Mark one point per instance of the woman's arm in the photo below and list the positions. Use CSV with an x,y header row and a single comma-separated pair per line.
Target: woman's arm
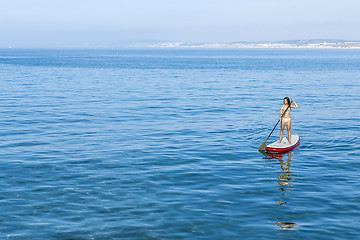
x,y
294,106
280,112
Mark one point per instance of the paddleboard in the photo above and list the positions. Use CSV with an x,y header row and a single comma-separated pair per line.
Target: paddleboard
x,y
284,146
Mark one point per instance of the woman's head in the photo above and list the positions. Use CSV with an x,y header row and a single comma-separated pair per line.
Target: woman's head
x,y
287,101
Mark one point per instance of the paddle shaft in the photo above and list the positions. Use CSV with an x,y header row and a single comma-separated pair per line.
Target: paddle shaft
x,y
278,121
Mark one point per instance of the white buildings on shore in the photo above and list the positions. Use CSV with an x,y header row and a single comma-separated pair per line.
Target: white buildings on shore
x,y
292,44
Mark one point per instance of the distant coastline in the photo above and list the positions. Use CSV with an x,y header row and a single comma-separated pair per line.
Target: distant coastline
x,y
316,43
153,44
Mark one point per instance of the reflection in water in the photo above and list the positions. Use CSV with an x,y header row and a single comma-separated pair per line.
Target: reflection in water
x,y
285,225
284,177
284,183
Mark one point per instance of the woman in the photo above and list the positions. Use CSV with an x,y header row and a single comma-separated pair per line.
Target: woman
x,y
285,108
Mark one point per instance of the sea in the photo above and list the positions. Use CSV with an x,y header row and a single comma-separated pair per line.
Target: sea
x,y
163,144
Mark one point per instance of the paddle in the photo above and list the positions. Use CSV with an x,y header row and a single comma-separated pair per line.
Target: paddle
x,y
263,146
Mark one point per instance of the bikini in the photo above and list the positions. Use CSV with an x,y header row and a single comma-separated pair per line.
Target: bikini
x,y
287,110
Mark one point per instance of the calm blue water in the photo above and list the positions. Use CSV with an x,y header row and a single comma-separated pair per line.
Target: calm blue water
x,y
162,144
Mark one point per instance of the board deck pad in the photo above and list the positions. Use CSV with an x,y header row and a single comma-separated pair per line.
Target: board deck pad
x,y
284,145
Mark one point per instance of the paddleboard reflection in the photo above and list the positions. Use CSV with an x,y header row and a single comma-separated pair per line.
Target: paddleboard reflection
x,y
284,183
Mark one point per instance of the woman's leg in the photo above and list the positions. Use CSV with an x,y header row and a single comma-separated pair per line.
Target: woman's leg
x,y
288,126
282,129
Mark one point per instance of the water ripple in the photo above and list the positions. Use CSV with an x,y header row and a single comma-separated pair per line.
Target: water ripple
x,y
163,145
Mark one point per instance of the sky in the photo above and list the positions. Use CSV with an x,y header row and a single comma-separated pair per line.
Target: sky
x,y
111,23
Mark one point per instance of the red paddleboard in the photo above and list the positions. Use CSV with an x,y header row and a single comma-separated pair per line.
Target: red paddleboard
x,y
284,146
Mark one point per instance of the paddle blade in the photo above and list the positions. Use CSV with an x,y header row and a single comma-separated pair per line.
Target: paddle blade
x,y
263,146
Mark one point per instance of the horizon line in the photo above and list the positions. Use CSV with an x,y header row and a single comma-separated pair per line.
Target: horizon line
x,y
146,44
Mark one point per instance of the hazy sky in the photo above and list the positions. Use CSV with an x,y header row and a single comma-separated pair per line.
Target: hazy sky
x,y
106,23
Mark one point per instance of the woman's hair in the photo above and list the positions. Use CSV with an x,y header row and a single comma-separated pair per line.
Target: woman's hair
x,y
288,100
